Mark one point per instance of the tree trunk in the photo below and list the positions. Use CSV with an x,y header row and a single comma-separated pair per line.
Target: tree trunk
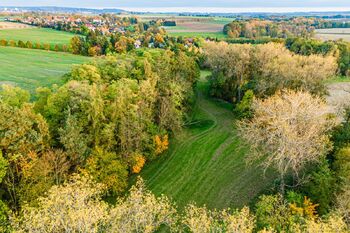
x,y
282,185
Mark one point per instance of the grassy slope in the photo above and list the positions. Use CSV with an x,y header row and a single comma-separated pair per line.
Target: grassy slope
x,y
42,35
206,163
30,68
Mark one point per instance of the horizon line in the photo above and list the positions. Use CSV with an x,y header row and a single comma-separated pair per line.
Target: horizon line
x,y
233,10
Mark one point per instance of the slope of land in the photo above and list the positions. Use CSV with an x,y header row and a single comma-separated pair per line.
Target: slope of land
x,y
31,68
206,164
36,35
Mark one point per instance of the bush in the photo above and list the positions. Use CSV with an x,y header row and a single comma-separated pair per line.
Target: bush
x,y
21,44
57,48
47,47
37,45
321,187
273,212
4,218
3,42
29,45
12,43
244,108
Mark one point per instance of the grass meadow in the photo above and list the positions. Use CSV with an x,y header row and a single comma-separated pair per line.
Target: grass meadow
x,y
37,35
31,68
206,164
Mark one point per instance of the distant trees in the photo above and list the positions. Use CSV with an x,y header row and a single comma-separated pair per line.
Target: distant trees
x,y
340,49
289,130
256,28
279,28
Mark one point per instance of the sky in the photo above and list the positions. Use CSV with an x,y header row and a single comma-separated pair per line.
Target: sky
x,y
183,4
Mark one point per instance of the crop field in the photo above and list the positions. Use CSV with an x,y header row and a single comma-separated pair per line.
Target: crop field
x,y
207,164
40,35
333,34
30,68
204,27
193,26
9,25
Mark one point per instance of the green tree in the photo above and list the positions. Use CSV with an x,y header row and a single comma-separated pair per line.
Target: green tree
x,y
107,168
13,96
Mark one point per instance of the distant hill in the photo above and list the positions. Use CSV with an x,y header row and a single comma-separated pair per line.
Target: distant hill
x,y
55,9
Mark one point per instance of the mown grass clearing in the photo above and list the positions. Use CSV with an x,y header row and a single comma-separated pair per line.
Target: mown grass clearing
x,y
37,35
206,163
30,68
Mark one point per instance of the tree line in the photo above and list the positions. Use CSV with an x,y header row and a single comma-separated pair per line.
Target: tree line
x,y
279,28
35,45
77,206
311,46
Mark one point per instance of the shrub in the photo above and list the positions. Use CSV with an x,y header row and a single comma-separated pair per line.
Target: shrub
x,y
47,46
244,108
37,45
3,42
21,44
12,43
29,45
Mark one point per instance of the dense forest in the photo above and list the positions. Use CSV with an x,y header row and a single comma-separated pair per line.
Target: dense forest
x,y
69,154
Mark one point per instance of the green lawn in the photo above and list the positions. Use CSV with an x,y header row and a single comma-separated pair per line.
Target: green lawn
x,y
42,35
30,68
206,164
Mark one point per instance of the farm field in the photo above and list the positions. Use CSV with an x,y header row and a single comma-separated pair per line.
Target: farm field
x,y
41,35
198,26
333,34
218,35
10,25
206,164
30,68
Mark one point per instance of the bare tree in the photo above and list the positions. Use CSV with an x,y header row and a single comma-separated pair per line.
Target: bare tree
x,y
288,130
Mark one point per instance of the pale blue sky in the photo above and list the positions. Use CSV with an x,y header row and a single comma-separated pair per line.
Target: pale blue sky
x,y
179,3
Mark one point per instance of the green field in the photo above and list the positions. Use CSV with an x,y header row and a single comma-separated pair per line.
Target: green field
x,y
30,68
197,26
41,35
218,35
206,163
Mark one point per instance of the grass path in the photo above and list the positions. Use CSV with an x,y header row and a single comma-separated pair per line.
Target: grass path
x,y
206,163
